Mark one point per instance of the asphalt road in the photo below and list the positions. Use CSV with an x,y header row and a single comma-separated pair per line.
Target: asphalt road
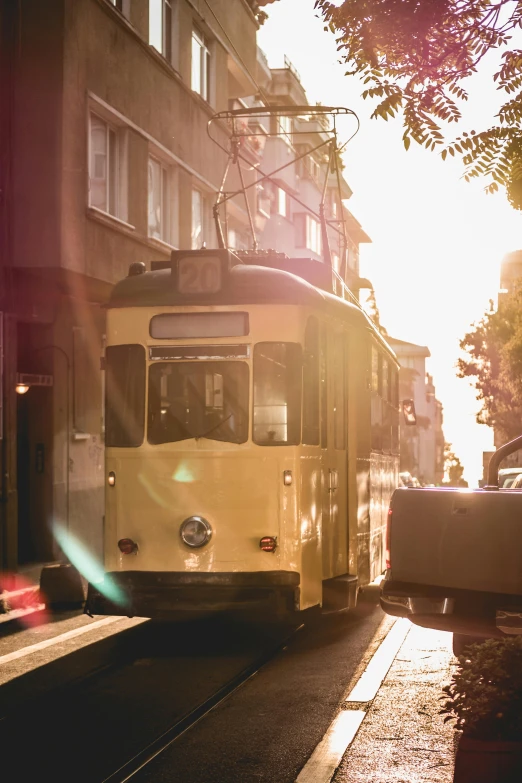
x,y
264,732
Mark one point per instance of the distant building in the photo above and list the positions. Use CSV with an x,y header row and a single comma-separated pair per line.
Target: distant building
x,y
422,446
290,201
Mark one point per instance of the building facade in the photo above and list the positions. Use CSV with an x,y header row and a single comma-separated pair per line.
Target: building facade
x,y
104,129
422,446
106,161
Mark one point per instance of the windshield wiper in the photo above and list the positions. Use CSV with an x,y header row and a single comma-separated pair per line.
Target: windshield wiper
x,y
207,433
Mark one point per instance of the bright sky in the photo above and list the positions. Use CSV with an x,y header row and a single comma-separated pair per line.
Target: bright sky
x,y
437,241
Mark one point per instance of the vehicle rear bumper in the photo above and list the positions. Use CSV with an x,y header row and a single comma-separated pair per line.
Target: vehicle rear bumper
x,y
472,613
159,594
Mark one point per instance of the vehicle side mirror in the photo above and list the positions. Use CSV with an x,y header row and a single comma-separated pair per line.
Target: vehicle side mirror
x,y
408,411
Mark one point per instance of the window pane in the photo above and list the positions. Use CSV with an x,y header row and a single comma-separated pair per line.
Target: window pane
x,y
311,384
384,388
167,31
155,215
324,388
281,202
165,205
339,392
125,395
197,220
198,400
375,369
196,80
205,69
98,164
113,172
277,394
156,24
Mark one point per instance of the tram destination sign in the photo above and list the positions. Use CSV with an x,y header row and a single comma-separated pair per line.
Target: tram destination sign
x,y
200,272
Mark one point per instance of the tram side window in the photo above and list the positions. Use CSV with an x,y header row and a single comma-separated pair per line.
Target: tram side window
x,y
394,383
277,394
125,395
376,401
324,388
339,391
311,384
386,407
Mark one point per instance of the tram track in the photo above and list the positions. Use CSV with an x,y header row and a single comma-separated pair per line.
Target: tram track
x,y
166,680
138,762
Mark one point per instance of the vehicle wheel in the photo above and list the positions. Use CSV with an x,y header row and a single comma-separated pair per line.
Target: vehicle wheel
x,y
461,641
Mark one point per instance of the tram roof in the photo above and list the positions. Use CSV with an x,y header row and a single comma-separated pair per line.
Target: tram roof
x,y
250,280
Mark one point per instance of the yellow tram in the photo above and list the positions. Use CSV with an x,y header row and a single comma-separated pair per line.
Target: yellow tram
x,y
252,438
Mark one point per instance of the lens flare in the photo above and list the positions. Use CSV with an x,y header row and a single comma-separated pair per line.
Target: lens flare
x,y
88,566
183,474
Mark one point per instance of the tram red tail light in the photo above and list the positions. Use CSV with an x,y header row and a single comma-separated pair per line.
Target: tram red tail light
x,y
127,546
388,539
268,544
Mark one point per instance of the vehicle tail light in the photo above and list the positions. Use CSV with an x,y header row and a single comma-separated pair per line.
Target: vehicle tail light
x,y
127,546
388,538
268,544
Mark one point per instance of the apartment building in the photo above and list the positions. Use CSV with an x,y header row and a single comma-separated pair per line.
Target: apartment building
x,y
105,161
294,194
422,446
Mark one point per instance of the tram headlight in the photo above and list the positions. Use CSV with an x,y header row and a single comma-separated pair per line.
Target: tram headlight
x,y
195,531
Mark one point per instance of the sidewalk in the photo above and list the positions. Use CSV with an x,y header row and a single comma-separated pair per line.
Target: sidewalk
x,y
403,739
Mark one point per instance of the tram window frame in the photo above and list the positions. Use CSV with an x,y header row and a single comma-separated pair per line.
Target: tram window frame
x,y
323,377
376,402
117,401
292,387
310,374
339,390
375,368
180,407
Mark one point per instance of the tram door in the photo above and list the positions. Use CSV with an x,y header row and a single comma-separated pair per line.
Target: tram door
x,y
333,451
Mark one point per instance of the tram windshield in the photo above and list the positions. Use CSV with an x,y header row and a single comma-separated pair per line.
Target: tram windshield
x,y
198,400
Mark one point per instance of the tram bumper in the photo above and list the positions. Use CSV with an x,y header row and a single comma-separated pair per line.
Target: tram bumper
x,y
162,595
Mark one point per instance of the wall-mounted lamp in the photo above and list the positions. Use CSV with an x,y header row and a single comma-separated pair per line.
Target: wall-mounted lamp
x,y
22,388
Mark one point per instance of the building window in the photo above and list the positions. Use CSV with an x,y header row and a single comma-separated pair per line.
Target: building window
x,y
308,233
104,167
200,81
159,201
160,27
284,128
282,202
199,219
123,6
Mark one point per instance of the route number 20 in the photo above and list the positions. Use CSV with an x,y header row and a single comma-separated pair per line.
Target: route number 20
x,y
199,275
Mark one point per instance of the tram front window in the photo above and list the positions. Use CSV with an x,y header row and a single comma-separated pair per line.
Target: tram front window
x,y
198,400
277,394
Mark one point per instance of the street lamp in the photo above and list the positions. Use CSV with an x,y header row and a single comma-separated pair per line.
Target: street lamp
x,y
23,386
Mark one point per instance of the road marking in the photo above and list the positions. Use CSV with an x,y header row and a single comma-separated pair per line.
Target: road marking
x,y
370,681
15,614
326,757
64,637
323,763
